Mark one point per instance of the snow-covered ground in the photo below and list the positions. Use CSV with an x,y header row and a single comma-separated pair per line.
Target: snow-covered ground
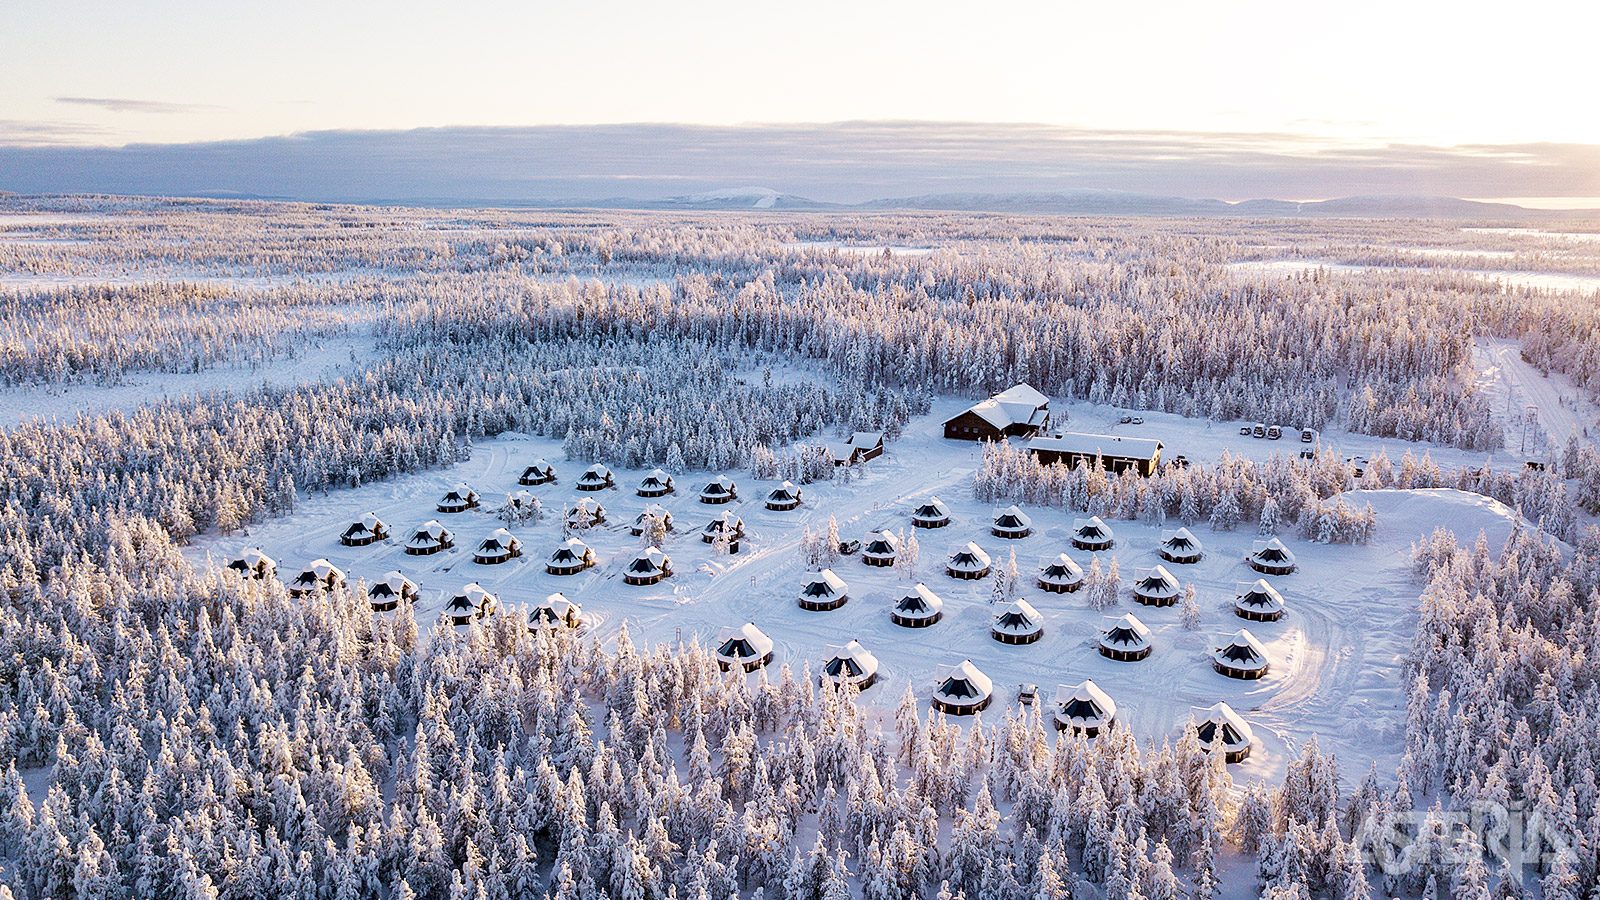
x,y
857,250
1335,656
1576,236
240,280
1550,281
314,363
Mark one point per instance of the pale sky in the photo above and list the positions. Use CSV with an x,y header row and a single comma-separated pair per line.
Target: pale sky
x,y
111,73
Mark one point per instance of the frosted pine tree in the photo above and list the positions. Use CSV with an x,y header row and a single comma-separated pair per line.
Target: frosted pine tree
x,y
1268,524
907,559
1108,591
1226,514
1189,613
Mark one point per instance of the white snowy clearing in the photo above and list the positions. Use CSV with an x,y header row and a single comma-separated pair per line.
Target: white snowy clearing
x,y
1549,281
311,364
1335,656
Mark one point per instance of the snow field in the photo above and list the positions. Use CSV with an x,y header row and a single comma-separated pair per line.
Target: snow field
x,y
1335,655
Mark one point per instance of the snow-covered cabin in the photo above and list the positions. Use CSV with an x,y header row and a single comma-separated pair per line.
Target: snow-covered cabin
x,y
586,513
470,603
1259,602
458,499
727,524
253,563
554,611
961,690
1221,727
1156,587
570,558
851,664
649,567
1181,547
387,592
1126,640
1060,575
1017,622
746,648
651,511
499,546
868,444
1115,453
655,483
317,577
595,478
784,497
430,538
539,472
918,608
1011,523
1084,707
1017,411
1241,656
1271,558
930,513
859,447
368,529
880,548
1092,534
822,591
967,561
720,489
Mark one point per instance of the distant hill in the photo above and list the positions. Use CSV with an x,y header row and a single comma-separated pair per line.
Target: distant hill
x,y
1126,203
740,198
1085,203
1082,203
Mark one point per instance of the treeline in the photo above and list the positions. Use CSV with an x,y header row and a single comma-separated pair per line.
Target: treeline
x,y
1227,494
1281,491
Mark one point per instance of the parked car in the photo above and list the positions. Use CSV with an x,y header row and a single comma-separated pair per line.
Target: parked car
x,y
1534,465
1359,463
1138,420
1259,430
1307,435
1181,461
1125,420
1274,432
1308,454
1027,693
849,547
1244,430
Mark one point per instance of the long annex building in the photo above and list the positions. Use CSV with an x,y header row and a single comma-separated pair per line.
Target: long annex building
x,y
1116,453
